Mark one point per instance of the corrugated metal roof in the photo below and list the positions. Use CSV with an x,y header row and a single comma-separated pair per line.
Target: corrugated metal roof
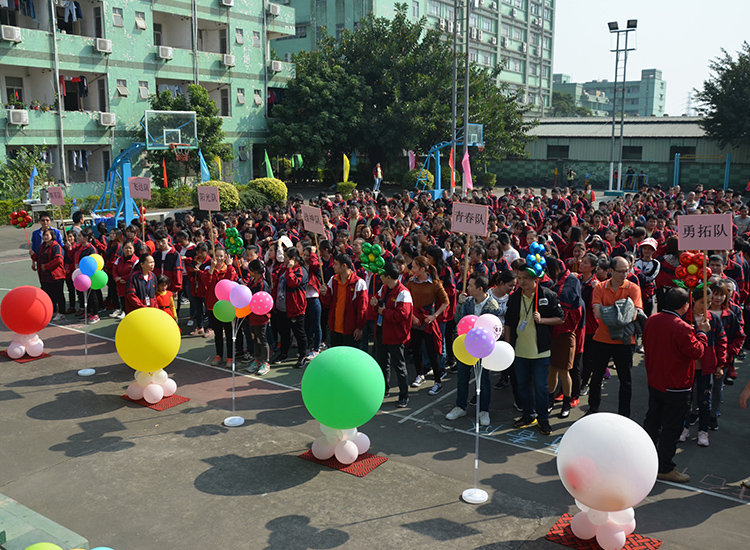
x,y
635,127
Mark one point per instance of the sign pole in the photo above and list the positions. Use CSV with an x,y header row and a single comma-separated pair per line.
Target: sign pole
x,y
143,223
466,265
86,371
211,235
62,222
475,495
234,420
705,281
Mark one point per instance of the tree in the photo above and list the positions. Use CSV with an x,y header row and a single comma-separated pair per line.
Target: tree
x,y
210,135
726,96
565,105
15,173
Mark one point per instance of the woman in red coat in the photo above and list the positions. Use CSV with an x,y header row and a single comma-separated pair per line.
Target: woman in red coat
x,y
52,271
219,270
122,267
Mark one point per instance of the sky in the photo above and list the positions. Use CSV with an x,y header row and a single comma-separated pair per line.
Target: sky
x,y
678,37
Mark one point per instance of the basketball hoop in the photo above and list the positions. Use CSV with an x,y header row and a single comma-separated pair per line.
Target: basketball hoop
x,y
480,148
181,151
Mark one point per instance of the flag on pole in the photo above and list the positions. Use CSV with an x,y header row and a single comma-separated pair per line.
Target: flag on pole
x,y
217,160
205,174
164,169
412,160
453,169
34,173
347,166
269,171
467,171
354,158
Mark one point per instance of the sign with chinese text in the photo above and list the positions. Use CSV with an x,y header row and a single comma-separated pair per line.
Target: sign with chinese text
x,y
140,188
705,232
56,196
469,218
208,198
312,219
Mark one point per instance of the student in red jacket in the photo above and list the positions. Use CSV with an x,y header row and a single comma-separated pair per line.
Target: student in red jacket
x,y
290,302
167,261
345,296
122,268
83,248
671,347
258,323
114,249
217,271
199,264
142,285
394,307
51,267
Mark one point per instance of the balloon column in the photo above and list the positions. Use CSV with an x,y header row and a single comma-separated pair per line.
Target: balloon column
x,y
342,388
478,338
233,242
535,261
606,479
372,258
89,274
690,271
25,311
148,340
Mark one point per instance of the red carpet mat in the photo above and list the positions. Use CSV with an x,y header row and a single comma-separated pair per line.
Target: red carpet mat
x,y
561,534
163,405
364,464
25,358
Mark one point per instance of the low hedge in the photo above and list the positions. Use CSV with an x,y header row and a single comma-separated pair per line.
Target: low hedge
x,y
346,188
409,179
229,198
273,188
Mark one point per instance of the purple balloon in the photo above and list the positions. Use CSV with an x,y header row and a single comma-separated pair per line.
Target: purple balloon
x,y
479,342
82,282
240,296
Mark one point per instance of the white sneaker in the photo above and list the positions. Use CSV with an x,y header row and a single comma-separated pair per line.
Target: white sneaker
x,y
115,313
685,434
312,355
58,317
190,322
418,381
121,315
484,418
456,412
703,439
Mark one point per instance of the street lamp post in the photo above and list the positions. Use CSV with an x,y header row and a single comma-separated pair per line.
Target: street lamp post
x,y
615,29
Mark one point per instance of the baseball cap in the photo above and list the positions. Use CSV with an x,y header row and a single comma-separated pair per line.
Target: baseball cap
x,y
650,242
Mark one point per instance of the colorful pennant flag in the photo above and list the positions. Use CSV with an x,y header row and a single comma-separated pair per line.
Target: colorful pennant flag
x,y
467,171
347,166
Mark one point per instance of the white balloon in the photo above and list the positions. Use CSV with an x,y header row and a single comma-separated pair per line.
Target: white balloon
x,y
160,376
16,350
35,348
26,338
348,434
622,517
362,442
597,517
135,391
582,506
144,378
582,527
75,274
169,387
501,357
153,393
492,323
346,452
629,527
322,449
325,430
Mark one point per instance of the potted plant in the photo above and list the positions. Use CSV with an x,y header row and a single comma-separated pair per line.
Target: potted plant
x,y
44,107
35,104
14,103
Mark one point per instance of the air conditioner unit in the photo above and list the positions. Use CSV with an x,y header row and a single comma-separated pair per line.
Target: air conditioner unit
x,y
481,2
274,9
228,60
107,119
524,47
103,45
473,32
514,12
504,42
441,24
450,26
19,116
479,34
11,34
165,52
493,5
493,41
227,3
276,66
538,21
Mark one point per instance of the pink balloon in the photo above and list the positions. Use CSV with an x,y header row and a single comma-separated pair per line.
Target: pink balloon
x,y
35,348
362,442
610,536
16,350
492,323
261,303
629,527
169,387
582,527
322,449
240,296
82,282
480,342
466,324
153,393
346,452
223,289
135,391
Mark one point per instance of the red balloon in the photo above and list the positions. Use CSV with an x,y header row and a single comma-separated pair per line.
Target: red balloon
x,y
692,281
13,215
14,221
29,220
686,258
26,310
22,213
708,273
681,272
698,260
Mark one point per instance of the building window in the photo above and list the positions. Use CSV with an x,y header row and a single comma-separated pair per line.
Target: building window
x,y
140,20
122,88
301,31
518,34
473,56
488,24
243,153
487,59
241,96
257,97
102,90
224,101
535,39
14,88
632,152
415,8
521,4
433,8
473,20
143,89
545,71
157,34
239,36
106,162
256,39
547,43
98,26
505,30
535,9
515,65
555,152
548,14
534,69
117,19
223,46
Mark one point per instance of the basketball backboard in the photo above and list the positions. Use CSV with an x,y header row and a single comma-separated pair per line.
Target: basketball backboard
x,y
475,135
165,127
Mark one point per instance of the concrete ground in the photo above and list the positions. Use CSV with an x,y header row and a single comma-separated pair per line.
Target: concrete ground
x,y
125,476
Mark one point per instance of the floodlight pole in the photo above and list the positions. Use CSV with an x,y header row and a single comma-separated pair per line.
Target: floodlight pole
x,y
614,29
454,97
466,95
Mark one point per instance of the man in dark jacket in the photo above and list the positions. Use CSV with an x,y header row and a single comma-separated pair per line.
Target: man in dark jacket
x,y
532,312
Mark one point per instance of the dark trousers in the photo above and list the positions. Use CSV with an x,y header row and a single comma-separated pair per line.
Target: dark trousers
x,y
392,355
587,360
664,420
221,331
54,290
289,325
575,376
260,342
244,340
532,386
338,339
462,388
200,311
112,297
72,294
324,324
622,355
450,335
417,338
702,388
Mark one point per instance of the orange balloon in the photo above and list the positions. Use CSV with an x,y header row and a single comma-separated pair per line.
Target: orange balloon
x,y
242,312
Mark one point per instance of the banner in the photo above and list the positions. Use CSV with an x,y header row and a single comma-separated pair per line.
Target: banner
x,y
467,171
205,174
470,218
217,160
453,170
347,166
412,160
705,232
313,219
164,169
208,198
140,188
269,171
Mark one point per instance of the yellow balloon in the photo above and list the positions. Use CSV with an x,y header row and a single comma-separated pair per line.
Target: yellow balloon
x,y
99,261
538,258
371,257
692,269
459,350
147,339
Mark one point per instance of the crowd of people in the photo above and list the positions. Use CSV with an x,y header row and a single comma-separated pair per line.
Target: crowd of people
x,y
607,285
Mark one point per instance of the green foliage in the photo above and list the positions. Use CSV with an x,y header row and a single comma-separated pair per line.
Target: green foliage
x,y
15,173
229,198
210,136
410,179
725,97
284,171
445,177
565,105
7,207
486,179
252,199
88,203
272,188
346,188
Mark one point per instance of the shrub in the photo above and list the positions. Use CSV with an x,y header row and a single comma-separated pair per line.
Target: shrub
x,y
166,198
7,207
445,178
229,198
284,170
326,176
88,203
272,188
346,188
410,179
184,195
252,198
486,179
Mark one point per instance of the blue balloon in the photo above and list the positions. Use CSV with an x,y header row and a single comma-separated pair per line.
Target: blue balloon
x,y
530,259
542,262
538,270
88,265
534,248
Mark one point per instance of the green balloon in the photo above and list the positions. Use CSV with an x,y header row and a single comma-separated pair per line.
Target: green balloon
x,y
366,248
380,262
98,280
343,387
224,311
377,249
363,258
231,232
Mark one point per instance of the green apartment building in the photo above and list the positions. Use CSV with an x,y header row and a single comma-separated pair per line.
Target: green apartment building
x,y
81,72
520,32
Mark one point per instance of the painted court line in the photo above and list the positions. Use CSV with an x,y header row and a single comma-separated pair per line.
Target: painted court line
x,y
429,405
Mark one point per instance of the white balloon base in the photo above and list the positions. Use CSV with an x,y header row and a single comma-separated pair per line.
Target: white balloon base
x,y
234,421
475,496
86,372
